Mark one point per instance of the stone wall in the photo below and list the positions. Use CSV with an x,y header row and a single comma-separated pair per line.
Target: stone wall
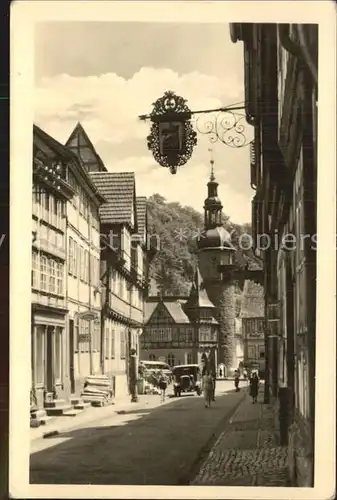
x,y
301,456
222,295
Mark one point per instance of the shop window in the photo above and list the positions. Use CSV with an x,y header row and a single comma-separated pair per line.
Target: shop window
x,y
189,358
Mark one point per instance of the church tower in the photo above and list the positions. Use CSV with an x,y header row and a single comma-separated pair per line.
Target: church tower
x,y
215,249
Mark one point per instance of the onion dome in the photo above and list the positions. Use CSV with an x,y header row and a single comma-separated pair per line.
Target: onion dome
x,y
217,237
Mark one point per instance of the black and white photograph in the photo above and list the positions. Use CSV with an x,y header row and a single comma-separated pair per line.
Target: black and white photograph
x,y
173,272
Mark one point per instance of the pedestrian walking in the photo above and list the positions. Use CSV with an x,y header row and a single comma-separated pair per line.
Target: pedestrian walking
x,y
162,386
207,385
254,386
237,380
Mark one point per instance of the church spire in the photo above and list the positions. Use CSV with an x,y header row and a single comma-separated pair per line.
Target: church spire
x,y
212,177
213,205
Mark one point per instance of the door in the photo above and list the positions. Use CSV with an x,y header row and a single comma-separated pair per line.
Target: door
x,y
71,356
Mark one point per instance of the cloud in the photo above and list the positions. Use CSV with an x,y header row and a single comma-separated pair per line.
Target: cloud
x,y
108,107
182,187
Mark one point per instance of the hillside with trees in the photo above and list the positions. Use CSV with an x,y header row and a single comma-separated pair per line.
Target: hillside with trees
x,y
177,228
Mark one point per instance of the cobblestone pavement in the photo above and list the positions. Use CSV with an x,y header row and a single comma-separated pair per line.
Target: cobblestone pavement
x,y
247,452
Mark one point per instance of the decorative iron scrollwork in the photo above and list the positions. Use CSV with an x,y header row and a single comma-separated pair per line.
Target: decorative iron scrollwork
x,y
225,126
172,137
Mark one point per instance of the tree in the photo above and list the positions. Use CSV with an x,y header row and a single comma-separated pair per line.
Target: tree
x,y
177,227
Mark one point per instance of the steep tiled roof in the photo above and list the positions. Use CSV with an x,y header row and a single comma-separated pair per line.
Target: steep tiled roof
x,y
118,188
149,307
252,305
174,308
51,148
141,214
177,312
198,294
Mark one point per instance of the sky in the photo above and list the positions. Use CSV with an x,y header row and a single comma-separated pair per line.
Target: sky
x,y
106,74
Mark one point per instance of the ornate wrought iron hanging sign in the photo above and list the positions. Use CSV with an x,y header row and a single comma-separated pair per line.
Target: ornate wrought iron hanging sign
x,y
172,137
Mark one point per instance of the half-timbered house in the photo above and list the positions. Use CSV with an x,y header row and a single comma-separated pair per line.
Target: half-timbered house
x,y
281,103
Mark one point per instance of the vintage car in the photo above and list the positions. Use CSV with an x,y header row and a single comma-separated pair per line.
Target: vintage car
x,y
152,368
186,378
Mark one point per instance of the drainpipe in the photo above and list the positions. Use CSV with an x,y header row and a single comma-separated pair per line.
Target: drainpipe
x,y
104,311
90,283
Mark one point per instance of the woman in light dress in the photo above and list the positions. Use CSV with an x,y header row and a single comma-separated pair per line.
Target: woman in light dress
x,y
208,385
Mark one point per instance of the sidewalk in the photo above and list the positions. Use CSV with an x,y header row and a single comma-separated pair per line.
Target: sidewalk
x,y
62,424
247,452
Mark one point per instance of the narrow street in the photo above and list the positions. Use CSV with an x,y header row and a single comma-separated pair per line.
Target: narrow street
x,y
151,444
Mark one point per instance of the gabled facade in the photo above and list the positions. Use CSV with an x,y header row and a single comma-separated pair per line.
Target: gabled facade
x,y
180,330
83,278
80,144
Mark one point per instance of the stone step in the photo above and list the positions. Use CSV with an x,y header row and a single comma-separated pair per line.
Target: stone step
x,y
34,422
58,411
38,414
55,403
71,413
81,405
104,402
75,401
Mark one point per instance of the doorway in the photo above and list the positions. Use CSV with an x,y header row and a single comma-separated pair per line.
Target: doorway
x,y
71,356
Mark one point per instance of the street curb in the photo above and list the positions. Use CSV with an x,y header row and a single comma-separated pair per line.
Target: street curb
x,y
207,448
50,434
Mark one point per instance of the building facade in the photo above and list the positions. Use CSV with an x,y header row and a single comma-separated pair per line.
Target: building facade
x,y
51,192
181,330
281,64
125,258
253,327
